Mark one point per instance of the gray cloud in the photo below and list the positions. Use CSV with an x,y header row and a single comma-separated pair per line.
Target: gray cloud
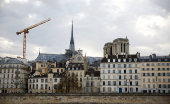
x,y
96,22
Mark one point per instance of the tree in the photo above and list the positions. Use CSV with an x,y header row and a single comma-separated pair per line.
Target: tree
x,y
67,84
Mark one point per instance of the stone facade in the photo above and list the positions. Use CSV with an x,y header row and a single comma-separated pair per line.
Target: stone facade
x,y
118,46
13,75
84,98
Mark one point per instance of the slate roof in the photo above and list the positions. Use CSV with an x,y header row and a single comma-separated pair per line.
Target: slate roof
x,y
154,59
11,61
111,57
96,73
44,57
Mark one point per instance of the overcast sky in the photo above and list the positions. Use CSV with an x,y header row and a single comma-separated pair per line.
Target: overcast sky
x,y
146,23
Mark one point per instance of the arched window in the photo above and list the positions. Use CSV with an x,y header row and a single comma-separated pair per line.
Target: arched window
x,y
111,50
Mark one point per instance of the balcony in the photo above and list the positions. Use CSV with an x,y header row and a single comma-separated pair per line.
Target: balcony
x,y
17,77
17,72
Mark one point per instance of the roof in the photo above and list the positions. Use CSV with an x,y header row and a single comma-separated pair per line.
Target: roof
x,y
96,73
111,57
11,61
154,58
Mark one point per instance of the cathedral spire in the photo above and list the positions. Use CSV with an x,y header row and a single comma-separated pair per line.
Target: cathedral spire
x,y
72,39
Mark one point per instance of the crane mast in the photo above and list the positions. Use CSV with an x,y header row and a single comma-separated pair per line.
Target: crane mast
x,y
26,31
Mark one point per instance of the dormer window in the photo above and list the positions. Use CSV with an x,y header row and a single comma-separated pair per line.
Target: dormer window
x,y
68,68
135,59
108,60
124,60
113,60
76,68
119,60
130,60
159,60
72,68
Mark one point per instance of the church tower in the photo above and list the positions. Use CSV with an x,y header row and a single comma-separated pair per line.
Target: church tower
x,y
72,40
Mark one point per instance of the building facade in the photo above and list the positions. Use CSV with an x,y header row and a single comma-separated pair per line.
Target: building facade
x,y
92,82
120,74
13,75
47,75
155,74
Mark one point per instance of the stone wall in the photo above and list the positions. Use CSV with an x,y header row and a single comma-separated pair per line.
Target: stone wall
x,y
85,98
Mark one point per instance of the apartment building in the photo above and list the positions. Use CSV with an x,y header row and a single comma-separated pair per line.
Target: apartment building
x,y
120,73
13,75
47,75
92,82
155,74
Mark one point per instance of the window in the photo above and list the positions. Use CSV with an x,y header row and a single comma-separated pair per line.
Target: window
x,y
159,60
147,64
108,60
148,85
163,64
148,79
135,59
103,82
113,71
130,65
153,80
144,86
148,69
130,60
119,71
108,65
130,76
37,80
76,74
114,83
42,80
124,76
143,69
108,71
80,79
164,80
36,86
158,64
45,86
135,71
159,80
119,82
119,65
153,85
167,64
108,76
109,83
168,80
153,74
103,71
124,65
113,60
124,71
159,74
55,80
113,65
124,60
61,70
57,70
119,76
136,76
41,86
143,79
153,64
130,71
143,64
148,74
12,75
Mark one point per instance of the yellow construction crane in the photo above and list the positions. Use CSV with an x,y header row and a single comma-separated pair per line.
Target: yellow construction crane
x,y
26,31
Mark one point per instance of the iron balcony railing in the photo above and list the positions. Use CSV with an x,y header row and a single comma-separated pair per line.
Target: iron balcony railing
x,y
17,72
17,77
